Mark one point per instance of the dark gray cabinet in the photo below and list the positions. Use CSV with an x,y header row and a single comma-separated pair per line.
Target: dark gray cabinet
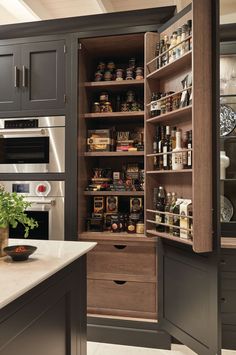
x,y
32,76
9,77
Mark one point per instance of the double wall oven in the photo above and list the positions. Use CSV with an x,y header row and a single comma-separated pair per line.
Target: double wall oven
x,y
32,145
47,208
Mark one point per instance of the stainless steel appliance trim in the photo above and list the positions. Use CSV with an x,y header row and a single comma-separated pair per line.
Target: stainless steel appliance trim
x,y
46,121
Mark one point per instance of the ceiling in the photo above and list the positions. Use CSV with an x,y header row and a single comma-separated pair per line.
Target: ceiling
x,y
15,11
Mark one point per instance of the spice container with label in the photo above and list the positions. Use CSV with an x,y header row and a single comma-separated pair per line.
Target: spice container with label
x,y
140,227
119,74
129,74
139,73
131,226
96,107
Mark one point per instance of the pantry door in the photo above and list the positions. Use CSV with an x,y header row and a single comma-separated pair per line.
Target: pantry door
x,y
188,278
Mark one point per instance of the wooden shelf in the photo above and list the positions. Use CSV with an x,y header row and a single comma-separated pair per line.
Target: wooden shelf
x,y
109,236
116,85
180,113
169,171
114,193
173,67
170,237
113,154
110,115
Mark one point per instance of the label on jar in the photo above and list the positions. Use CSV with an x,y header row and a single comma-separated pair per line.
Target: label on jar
x,y
131,228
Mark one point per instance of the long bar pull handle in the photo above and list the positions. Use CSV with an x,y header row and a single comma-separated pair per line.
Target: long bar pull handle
x,y
16,77
24,77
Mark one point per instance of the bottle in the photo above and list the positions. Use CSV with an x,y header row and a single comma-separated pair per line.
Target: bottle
x,y
162,49
189,24
155,148
184,43
160,206
189,146
157,53
177,156
178,48
160,148
176,217
166,148
185,147
171,217
153,105
173,138
167,209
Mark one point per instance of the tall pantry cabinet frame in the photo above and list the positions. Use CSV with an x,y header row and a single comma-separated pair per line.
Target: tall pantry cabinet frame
x,y
188,268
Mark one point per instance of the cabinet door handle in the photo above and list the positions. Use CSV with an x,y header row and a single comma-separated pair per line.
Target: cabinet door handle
x,y
120,246
24,76
16,77
119,282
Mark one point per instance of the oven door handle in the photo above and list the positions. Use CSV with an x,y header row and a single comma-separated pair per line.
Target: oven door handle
x,y
16,132
49,202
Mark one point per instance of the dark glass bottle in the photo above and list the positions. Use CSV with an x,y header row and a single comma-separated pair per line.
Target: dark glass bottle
x,y
167,209
160,147
171,217
176,218
157,53
153,105
160,206
185,146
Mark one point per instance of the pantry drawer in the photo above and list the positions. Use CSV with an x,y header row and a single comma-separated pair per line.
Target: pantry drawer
x,y
127,262
125,298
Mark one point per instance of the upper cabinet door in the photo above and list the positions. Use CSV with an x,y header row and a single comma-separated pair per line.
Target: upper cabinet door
x,y
43,75
184,214
9,78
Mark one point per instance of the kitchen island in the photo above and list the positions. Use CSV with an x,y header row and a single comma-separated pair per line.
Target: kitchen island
x,y
43,300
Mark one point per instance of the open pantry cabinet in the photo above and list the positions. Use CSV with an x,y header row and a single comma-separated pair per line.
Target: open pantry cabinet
x,y
155,275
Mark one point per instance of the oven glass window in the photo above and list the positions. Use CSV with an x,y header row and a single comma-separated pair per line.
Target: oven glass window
x,y
41,232
31,150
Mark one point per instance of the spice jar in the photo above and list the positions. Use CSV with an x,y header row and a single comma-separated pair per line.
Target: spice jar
x,y
119,74
96,107
107,107
107,75
140,227
103,97
130,95
98,76
163,106
111,66
175,102
129,74
139,73
131,226
101,66
169,104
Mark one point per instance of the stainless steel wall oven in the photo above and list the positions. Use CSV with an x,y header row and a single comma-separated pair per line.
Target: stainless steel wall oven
x,y
47,208
32,145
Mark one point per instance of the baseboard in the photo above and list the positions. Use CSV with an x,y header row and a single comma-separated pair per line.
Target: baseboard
x,y
122,332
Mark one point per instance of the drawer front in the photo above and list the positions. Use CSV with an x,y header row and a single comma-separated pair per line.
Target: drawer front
x,y
106,296
122,260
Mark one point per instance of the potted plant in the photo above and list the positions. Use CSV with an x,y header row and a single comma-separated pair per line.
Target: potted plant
x,y
12,212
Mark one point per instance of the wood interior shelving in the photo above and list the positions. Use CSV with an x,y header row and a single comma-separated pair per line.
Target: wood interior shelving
x,y
170,237
124,115
117,237
170,116
114,154
171,68
171,95
228,243
114,84
169,171
114,193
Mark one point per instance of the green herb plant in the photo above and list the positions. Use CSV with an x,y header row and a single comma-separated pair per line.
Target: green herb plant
x,y
12,211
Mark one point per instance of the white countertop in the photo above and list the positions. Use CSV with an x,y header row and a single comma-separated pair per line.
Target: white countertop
x,y
18,277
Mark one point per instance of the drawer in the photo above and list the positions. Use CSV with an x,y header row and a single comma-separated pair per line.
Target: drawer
x,y
122,298
127,262
228,337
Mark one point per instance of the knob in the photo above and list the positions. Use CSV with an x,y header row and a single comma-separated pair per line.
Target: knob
x,y
42,188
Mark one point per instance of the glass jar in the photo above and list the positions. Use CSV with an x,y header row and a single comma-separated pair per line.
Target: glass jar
x,y
139,73
108,75
140,227
119,74
129,74
163,106
98,76
108,107
131,226
96,107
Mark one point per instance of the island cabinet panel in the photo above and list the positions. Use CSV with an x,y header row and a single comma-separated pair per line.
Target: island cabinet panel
x,y
9,77
50,318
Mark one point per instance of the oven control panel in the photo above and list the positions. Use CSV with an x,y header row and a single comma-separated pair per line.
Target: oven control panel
x,y
12,124
43,188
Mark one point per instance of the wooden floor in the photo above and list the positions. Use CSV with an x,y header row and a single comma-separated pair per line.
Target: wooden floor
x,y
108,349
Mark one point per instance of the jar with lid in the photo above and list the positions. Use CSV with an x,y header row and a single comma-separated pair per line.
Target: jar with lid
x,y
96,107
108,75
129,74
139,73
103,97
98,76
131,226
107,106
119,74
140,227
